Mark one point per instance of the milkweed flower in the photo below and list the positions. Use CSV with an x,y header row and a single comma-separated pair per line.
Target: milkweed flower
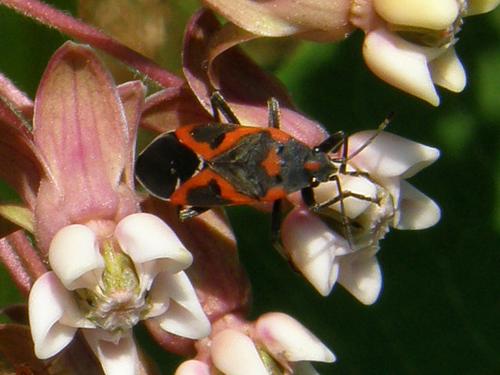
x,y
275,344
408,43
118,279
111,264
341,244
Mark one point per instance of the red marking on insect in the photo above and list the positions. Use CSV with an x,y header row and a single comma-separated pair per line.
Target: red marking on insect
x,y
271,163
312,166
213,190
203,149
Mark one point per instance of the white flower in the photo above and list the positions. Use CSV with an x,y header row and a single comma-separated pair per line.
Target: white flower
x,y
193,367
105,284
276,343
326,250
410,43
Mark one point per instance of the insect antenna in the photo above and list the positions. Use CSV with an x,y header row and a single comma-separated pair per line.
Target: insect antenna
x,y
379,130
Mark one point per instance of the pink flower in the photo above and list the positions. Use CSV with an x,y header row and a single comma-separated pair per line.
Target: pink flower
x,y
111,264
275,343
409,43
310,19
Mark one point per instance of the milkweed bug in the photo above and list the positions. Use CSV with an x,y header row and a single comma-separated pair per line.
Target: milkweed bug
x,y
202,166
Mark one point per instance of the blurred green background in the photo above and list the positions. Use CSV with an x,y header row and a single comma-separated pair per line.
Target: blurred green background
x,y
439,310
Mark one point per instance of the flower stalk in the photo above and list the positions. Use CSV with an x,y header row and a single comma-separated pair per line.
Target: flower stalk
x,y
83,32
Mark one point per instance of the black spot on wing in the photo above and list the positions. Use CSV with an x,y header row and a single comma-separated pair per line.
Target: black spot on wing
x,y
164,164
213,133
207,195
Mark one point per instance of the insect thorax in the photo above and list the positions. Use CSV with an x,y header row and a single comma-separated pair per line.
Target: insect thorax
x,y
259,163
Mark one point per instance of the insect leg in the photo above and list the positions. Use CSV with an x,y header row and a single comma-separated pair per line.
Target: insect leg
x,y
310,201
308,196
276,221
220,106
186,213
273,108
339,198
345,219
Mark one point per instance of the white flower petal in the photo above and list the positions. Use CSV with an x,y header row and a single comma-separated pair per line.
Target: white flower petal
x,y
360,274
429,14
184,316
283,336
193,367
400,63
417,211
144,237
304,368
313,248
159,298
48,302
356,184
389,155
481,6
447,71
119,358
234,353
74,254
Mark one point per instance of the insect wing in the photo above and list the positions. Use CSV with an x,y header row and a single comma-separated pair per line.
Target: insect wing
x,y
208,189
165,164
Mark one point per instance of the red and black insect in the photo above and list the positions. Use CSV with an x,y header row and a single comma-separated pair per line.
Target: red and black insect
x,y
201,166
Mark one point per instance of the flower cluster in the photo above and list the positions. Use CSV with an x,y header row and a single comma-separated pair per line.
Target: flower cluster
x,y
95,255
377,197
408,43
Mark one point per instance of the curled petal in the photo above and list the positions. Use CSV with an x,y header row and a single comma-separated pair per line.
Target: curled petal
x,y
234,353
132,98
353,206
145,238
400,63
417,211
282,17
49,304
360,274
428,14
389,155
193,367
286,337
313,248
481,6
184,316
448,72
74,254
159,298
245,86
232,72
120,358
